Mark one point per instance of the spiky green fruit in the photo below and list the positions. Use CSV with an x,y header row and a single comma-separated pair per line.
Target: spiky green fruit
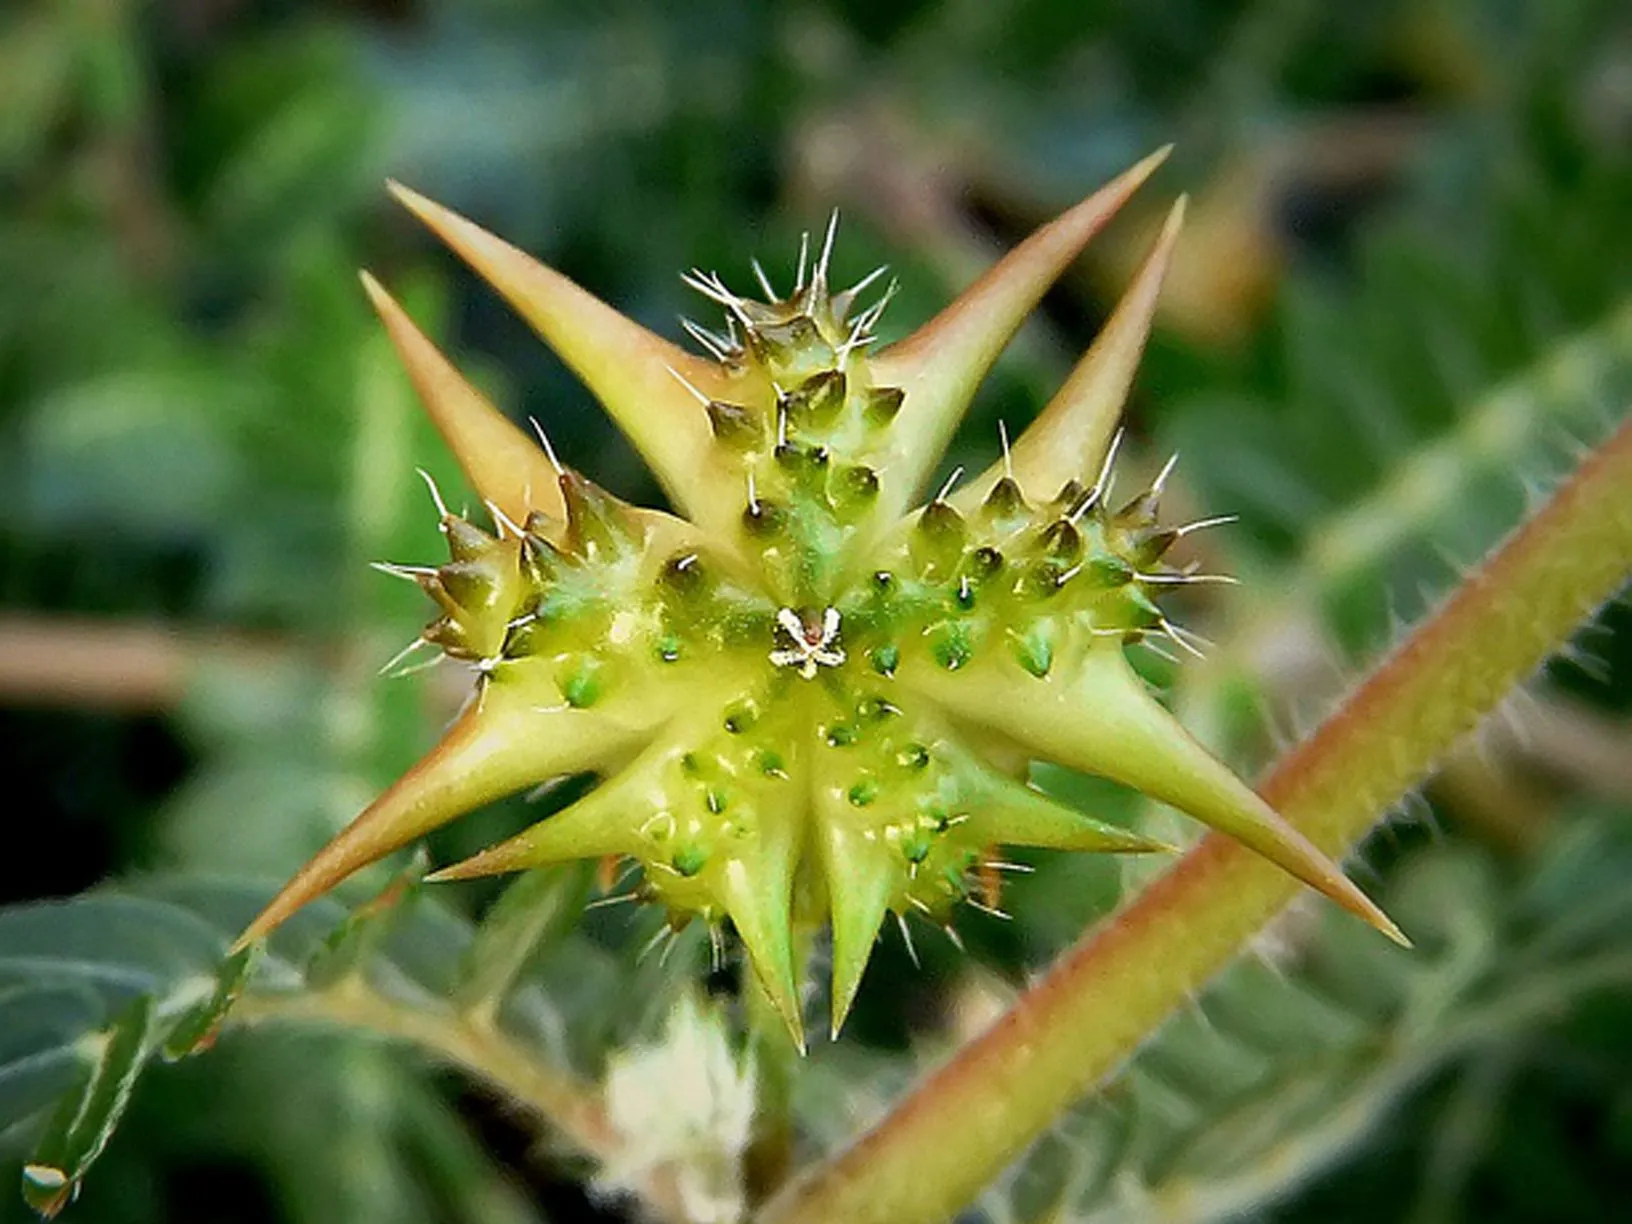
x,y
805,703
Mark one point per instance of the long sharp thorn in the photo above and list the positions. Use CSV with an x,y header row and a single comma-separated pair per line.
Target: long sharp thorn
x,y
1073,430
1012,868
804,260
622,363
489,751
423,665
501,465
1106,722
1102,483
668,949
940,365
712,287
697,281
544,789
856,339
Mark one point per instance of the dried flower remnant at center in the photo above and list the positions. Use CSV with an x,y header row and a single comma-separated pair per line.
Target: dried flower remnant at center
x,y
815,642
801,696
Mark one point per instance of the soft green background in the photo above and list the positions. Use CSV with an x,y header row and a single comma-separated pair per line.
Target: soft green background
x,y
1403,305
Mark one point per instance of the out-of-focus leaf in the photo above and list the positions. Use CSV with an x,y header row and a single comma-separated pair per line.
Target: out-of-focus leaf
x,y
139,452
530,915
36,75
74,973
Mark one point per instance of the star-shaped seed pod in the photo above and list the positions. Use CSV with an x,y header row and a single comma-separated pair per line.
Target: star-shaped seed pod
x,y
806,702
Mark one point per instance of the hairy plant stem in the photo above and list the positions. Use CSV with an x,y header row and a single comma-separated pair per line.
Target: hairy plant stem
x,y
960,1127
559,1098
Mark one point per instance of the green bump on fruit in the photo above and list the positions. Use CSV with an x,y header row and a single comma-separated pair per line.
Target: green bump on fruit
x,y
951,647
784,686
886,658
881,405
1034,649
689,860
581,685
913,757
734,425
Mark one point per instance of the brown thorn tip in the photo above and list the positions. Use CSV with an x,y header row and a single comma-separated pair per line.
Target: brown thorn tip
x,y
1387,926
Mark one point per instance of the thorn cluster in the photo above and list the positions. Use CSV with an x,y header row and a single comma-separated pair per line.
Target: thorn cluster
x,y
805,703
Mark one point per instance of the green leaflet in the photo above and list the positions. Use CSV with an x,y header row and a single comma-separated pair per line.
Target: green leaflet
x,y
346,949
86,1119
196,1029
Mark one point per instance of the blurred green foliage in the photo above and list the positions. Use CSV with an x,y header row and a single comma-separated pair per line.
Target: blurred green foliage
x,y
1402,307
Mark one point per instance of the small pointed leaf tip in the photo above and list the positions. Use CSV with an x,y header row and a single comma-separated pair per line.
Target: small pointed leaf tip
x,y
626,366
499,460
940,365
